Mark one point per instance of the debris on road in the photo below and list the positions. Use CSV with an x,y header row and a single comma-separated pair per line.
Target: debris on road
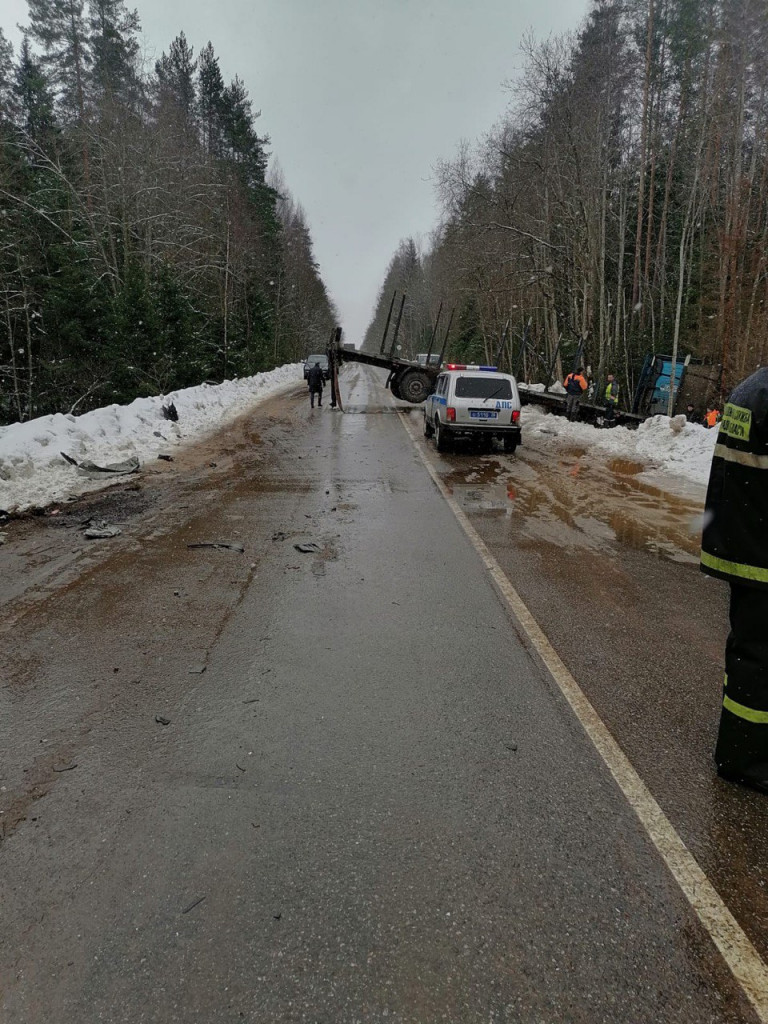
x,y
279,535
99,529
224,544
170,412
91,469
197,670
192,905
165,457
238,766
308,549
66,768
162,720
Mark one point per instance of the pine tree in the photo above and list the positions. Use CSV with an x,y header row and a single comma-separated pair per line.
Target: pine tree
x,y
32,99
211,100
115,49
59,27
176,76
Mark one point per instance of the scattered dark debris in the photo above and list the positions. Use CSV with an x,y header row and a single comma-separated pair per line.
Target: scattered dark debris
x,y
66,767
157,433
223,544
197,670
279,535
165,457
254,825
511,746
308,549
277,916
253,700
121,502
192,905
170,412
162,720
238,766
212,465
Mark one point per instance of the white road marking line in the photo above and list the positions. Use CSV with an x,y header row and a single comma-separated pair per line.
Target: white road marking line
x,y
743,960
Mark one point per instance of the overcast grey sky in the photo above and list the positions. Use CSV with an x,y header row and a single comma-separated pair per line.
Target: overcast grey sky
x,y
360,98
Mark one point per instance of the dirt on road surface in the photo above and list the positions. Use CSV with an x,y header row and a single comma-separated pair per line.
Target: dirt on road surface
x,y
321,778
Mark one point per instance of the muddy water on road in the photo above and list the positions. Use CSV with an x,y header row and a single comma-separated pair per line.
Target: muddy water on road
x,y
570,498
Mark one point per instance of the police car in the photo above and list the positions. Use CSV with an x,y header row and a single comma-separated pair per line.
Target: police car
x,y
476,402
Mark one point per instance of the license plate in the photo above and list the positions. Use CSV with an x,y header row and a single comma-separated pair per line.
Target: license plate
x,y
477,414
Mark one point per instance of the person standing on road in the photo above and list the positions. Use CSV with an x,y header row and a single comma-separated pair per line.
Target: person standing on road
x,y
611,398
734,547
691,415
315,382
575,386
712,417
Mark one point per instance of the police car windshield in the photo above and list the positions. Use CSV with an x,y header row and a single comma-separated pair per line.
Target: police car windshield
x,y
483,387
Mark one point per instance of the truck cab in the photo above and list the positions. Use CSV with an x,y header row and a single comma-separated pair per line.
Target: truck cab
x,y
475,402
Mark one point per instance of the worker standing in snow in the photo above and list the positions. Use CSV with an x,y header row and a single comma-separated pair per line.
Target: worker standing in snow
x,y
315,382
575,385
734,547
611,398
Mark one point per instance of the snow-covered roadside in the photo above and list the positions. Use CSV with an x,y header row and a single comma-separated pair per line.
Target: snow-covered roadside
x,y
668,445
33,473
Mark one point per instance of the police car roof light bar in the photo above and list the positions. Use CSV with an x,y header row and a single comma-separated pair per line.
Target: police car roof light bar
x,y
462,366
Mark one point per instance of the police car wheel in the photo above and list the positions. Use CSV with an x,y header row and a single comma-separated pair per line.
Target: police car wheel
x,y
428,428
510,444
441,437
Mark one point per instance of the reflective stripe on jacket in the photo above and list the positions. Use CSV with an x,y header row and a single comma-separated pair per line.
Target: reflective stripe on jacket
x,y
734,543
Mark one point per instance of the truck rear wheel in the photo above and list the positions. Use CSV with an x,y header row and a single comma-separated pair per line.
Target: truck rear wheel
x,y
414,386
394,387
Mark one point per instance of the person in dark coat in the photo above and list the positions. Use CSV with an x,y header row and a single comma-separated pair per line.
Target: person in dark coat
x,y
315,382
734,547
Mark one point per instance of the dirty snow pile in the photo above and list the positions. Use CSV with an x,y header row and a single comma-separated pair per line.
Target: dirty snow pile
x,y
668,444
33,472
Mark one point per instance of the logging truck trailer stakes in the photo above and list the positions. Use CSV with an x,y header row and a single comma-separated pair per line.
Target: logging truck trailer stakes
x,y
411,380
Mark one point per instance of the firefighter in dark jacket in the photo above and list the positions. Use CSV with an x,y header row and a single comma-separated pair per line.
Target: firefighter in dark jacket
x,y
734,547
315,382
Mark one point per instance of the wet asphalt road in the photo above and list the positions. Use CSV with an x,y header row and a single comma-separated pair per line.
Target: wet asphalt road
x,y
372,803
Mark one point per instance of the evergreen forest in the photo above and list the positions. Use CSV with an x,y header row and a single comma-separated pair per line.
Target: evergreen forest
x,y
618,207
143,246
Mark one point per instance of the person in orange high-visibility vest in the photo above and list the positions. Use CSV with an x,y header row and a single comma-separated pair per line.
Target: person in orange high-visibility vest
x,y
712,417
575,385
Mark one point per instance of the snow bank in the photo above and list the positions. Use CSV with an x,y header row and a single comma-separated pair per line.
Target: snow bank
x,y
33,473
671,445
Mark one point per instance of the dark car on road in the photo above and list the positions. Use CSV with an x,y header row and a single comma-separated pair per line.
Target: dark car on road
x,y
323,360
